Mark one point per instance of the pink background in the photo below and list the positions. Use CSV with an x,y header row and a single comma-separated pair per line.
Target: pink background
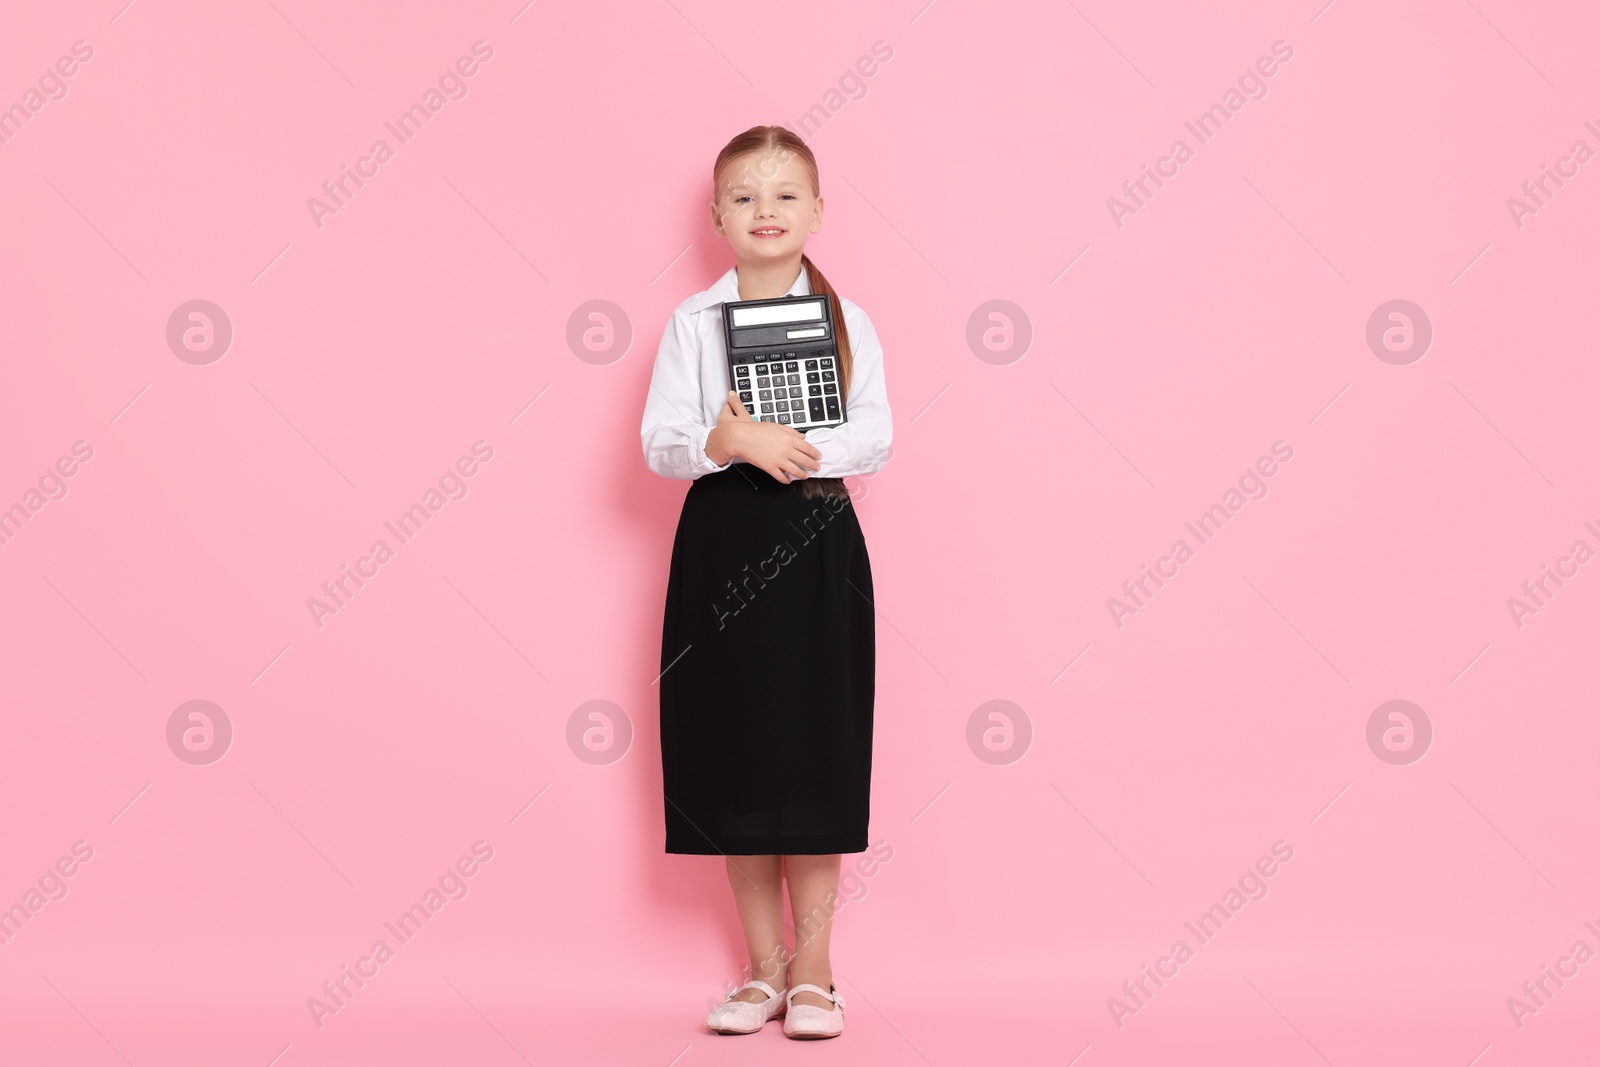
x,y
369,354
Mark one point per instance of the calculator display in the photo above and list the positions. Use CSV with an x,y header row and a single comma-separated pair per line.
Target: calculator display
x,y
762,315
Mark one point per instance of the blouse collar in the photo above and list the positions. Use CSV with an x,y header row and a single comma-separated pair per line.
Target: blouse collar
x,y
726,289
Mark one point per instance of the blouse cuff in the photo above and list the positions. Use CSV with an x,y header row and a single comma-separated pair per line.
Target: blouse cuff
x,y
704,464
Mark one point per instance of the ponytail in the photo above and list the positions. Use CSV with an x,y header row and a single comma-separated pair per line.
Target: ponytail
x,y
820,287
815,487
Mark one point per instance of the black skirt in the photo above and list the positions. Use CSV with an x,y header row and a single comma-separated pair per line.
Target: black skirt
x,y
768,653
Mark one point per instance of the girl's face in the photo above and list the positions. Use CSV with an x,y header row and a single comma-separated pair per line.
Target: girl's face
x,y
765,206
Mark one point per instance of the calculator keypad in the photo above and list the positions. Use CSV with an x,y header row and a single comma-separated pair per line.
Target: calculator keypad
x,y
789,390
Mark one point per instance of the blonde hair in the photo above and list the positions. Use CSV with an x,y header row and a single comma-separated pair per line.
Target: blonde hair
x,y
782,140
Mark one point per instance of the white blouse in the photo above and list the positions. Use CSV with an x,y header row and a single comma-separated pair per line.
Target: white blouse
x,y
690,384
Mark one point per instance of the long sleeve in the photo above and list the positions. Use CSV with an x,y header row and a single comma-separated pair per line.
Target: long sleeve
x,y
859,445
673,432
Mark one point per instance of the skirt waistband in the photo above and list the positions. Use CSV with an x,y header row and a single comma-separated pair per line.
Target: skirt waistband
x,y
742,477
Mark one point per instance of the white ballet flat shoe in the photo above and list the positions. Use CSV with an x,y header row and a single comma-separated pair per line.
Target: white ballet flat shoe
x,y
808,1020
747,1017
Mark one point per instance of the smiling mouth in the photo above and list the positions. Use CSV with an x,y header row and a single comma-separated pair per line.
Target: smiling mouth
x,y
768,232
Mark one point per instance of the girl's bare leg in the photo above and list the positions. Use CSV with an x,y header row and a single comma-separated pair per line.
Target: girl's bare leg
x,y
813,896
757,883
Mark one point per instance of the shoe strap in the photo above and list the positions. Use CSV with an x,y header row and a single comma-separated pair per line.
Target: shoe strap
x,y
756,983
807,987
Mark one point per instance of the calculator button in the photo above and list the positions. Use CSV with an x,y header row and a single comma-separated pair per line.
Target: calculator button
x,y
816,409
782,405
827,375
811,364
766,394
833,407
829,388
788,355
792,366
747,397
794,379
796,391
743,370
827,362
783,418
811,376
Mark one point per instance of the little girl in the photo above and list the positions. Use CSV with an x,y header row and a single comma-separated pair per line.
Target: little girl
x,y
767,643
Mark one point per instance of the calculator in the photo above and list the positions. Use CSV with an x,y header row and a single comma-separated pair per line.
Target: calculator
x,y
783,361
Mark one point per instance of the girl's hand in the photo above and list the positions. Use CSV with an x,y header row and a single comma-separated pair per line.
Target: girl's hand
x,y
782,451
733,410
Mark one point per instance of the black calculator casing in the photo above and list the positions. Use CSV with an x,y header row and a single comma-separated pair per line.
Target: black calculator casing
x,y
798,332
